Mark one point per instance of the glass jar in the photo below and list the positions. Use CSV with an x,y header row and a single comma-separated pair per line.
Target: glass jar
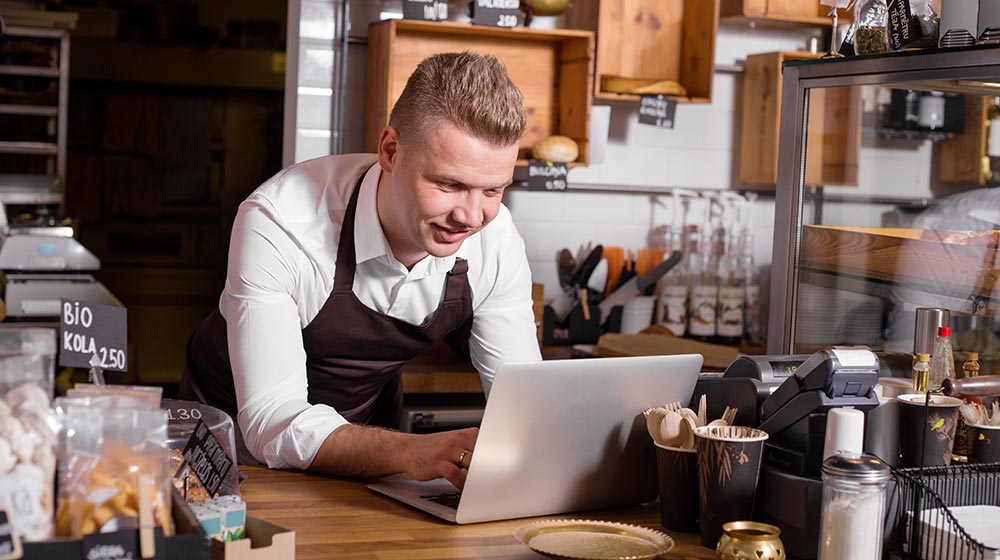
x,y
870,19
854,499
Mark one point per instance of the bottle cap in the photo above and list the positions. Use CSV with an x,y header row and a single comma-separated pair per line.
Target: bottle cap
x,y
944,331
859,467
921,357
972,356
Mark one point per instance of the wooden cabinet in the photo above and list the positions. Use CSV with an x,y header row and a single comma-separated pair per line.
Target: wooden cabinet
x,y
777,12
961,156
834,138
652,40
552,68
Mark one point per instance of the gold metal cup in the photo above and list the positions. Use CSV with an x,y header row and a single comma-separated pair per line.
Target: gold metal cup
x,y
750,540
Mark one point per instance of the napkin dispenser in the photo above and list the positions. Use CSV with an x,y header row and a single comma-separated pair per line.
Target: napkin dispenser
x,y
794,416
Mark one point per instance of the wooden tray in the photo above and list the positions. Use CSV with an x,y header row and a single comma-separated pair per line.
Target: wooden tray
x,y
552,68
922,259
652,39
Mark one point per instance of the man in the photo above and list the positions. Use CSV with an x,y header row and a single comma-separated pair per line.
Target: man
x,y
342,268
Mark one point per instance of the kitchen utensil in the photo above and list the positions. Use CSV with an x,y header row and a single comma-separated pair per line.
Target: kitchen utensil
x,y
670,429
703,410
598,279
654,419
982,386
147,540
565,266
586,268
686,437
637,285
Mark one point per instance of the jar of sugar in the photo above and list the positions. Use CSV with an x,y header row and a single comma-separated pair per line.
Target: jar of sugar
x,y
854,501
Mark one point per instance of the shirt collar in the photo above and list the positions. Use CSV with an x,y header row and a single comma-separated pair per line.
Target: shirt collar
x,y
369,239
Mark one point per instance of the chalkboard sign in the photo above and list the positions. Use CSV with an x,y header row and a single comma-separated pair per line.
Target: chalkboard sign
x,y
902,30
207,459
87,329
118,545
427,10
656,110
10,545
547,176
495,13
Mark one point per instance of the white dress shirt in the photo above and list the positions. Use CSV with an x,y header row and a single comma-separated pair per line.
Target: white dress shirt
x,y
282,261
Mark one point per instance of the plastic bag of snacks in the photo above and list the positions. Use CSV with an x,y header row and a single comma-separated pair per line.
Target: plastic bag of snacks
x,y
912,24
115,466
183,420
28,431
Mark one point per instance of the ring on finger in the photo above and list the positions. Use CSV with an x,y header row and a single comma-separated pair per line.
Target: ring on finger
x,y
461,457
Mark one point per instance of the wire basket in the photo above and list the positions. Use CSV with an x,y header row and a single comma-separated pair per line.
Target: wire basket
x,y
920,521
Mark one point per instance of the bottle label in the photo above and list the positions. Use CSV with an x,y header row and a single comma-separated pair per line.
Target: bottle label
x,y
673,313
730,320
703,304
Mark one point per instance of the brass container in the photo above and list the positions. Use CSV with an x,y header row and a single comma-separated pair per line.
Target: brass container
x,y
750,540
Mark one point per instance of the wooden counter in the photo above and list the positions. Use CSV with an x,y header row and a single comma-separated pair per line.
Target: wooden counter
x,y
340,518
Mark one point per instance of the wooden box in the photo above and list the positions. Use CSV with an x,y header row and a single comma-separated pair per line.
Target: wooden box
x,y
834,128
652,40
264,541
552,68
796,12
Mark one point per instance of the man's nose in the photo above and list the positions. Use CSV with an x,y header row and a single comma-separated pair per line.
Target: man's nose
x,y
469,211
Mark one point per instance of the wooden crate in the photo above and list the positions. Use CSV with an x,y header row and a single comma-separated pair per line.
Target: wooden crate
x,y
552,68
652,39
927,260
834,132
791,12
961,156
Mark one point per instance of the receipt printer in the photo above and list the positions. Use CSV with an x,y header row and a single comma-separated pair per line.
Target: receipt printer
x,y
794,416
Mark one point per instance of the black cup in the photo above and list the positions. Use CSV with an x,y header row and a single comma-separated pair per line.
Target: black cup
x,y
678,470
985,444
728,469
928,429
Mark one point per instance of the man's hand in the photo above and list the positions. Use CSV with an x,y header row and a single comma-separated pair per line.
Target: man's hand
x,y
446,454
368,452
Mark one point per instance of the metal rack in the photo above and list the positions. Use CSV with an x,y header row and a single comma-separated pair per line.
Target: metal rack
x,y
44,188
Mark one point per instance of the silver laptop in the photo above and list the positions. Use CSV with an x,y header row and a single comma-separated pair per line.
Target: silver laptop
x,y
560,436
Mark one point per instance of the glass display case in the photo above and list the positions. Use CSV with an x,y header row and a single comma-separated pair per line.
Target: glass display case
x,y
922,226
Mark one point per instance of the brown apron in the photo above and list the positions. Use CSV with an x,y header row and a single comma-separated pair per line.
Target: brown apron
x,y
353,353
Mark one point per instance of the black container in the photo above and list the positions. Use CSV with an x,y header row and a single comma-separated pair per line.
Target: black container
x,y
678,471
577,329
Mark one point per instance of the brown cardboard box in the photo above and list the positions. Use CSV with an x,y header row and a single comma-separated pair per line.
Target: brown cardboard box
x,y
264,542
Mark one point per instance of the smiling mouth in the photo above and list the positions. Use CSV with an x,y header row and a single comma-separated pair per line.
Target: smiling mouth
x,y
451,235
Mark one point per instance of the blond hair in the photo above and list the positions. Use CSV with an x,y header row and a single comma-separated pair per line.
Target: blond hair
x,y
471,91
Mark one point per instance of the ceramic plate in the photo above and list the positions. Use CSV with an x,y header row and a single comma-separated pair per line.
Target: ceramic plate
x,y
593,540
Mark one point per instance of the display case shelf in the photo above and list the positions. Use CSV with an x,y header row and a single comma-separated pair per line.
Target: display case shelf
x,y
29,110
39,71
29,148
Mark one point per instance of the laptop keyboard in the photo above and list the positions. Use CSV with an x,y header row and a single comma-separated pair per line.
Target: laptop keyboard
x,y
448,499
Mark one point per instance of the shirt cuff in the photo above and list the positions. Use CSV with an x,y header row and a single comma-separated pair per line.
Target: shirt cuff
x,y
296,446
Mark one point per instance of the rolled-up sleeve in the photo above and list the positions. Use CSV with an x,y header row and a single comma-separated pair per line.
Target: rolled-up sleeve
x,y
503,325
279,425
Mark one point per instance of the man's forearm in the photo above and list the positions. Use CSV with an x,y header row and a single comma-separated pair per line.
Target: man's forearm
x,y
361,451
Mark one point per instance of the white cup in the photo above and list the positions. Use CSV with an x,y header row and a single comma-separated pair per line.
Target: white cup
x,y
637,314
845,431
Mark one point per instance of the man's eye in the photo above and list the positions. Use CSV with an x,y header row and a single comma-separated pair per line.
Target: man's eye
x,y
494,192
449,186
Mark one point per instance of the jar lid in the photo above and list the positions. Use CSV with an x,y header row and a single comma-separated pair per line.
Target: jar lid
x,y
860,467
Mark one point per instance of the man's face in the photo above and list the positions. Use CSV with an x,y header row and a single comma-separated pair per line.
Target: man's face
x,y
438,189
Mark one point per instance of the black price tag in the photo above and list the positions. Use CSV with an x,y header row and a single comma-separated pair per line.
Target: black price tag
x,y
656,110
547,176
10,544
119,545
207,459
495,13
86,329
427,10
902,30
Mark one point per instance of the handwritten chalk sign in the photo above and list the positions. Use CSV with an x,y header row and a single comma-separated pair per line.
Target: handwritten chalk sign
x,y
547,176
87,329
10,544
902,32
206,457
117,545
657,110
426,10
495,13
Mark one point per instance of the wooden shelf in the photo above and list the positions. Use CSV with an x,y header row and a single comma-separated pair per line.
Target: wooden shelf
x,y
28,148
40,71
552,68
778,21
652,39
29,110
920,259
778,13
177,65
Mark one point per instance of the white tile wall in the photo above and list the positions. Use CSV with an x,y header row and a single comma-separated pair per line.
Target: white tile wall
x,y
698,152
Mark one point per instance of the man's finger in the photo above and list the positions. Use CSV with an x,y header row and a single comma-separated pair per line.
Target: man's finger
x,y
454,475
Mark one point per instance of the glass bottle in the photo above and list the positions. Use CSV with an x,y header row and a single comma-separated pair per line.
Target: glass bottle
x,y
732,298
922,373
963,435
942,358
704,289
753,328
854,502
991,162
672,307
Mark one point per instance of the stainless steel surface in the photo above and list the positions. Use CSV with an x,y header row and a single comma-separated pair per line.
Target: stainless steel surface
x,y
926,327
37,296
959,23
975,69
989,20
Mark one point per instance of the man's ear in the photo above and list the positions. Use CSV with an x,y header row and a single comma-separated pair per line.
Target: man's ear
x,y
388,149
